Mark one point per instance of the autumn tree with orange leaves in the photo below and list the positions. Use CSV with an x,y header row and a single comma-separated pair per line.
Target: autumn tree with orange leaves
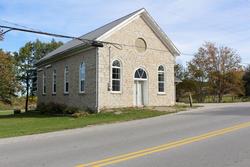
x,y
217,71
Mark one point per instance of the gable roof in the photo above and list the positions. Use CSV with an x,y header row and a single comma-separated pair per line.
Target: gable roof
x,y
100,33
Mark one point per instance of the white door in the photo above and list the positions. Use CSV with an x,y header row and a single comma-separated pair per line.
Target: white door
x,y
138,93
140,88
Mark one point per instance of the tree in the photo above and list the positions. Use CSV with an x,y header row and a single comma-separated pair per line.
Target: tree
x,y
198,74
235,82
223,63
180,72
246,79
186,85
26,58
8,83
216,66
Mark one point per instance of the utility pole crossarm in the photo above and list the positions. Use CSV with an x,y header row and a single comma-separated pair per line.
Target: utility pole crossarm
x,y
40,32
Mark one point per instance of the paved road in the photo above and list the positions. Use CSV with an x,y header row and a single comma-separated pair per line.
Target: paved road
x,y
227,147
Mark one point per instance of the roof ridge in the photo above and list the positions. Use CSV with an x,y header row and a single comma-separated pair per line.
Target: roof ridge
x,y
99,32
132,13
92,35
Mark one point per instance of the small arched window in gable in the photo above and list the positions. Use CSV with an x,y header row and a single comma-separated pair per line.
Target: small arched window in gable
x,y
140,45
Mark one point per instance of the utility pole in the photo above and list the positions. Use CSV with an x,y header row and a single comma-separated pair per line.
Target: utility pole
x,y
219,77
27,91
190,100
1,34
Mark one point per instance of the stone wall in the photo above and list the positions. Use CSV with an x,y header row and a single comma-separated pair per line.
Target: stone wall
x,y
74,98
155,55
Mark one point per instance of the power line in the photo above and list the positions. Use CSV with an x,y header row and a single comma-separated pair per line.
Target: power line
x,y
86,41
9,22
93,42
40,32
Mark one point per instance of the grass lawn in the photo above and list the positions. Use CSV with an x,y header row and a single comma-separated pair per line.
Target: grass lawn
x,y
33,123
225,99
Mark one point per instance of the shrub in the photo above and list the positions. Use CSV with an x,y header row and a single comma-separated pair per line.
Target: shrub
x,y
89,110
51,108
70,110
80,114
56,108
17,111
41,107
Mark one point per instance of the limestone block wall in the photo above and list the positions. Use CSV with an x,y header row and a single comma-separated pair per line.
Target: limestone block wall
x,y
156,54
74,98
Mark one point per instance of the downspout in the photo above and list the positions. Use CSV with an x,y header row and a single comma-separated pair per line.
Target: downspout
x,y
174,82
109,83
97,80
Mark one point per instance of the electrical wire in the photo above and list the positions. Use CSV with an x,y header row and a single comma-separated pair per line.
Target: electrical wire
x,y
86,41
116,45
42,33
18,25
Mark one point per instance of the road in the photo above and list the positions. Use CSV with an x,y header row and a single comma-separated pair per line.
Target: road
x,y
212,136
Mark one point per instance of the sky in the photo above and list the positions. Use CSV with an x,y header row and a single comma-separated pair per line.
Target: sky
x,y
188,23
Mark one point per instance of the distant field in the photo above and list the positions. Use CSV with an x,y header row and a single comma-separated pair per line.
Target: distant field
x,y
18,102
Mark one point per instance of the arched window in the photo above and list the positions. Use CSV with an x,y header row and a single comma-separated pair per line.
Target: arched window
x,y
161,81
66,80
116,76
140,74
82,77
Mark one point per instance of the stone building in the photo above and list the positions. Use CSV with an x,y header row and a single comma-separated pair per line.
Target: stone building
x,y
128,62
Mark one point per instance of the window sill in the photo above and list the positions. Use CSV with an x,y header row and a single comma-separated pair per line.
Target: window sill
x,y
81,93
161,93
53,94
116,92
44,94
65,93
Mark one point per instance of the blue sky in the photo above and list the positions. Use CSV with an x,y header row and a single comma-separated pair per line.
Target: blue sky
x,y
188,23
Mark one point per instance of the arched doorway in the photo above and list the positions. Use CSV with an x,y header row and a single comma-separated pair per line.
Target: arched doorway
x,y
140,88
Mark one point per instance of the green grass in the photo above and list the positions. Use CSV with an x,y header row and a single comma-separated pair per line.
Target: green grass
x,y
225,99
33,123
5,112
228,99
183,107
